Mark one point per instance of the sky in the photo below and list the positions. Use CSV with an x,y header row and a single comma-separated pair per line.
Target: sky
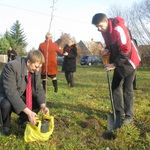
x,y
69,16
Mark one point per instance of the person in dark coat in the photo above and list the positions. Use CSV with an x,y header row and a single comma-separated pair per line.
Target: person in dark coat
x,y
69,64
11,54
13,83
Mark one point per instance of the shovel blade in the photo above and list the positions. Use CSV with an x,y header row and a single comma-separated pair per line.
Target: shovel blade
x,y
113,124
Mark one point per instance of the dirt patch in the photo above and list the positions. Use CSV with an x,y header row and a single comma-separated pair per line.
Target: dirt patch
x,y
109,136
61,122
89,139
90,123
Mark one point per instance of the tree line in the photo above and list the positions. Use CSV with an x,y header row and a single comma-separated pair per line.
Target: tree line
x,y
15,38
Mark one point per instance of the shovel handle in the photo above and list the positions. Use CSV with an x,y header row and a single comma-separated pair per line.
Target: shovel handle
x,y
111,96
105,58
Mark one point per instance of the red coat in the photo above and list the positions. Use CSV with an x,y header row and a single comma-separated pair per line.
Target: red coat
x,y
50,49
124,53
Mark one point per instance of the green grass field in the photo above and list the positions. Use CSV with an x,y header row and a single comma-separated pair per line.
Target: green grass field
x,y
81,115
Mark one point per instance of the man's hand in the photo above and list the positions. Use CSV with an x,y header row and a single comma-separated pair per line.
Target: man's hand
x,y
110,67
45,110
104,52
31,115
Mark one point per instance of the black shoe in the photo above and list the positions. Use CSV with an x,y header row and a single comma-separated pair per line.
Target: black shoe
x,y
55,89
6,131
21,123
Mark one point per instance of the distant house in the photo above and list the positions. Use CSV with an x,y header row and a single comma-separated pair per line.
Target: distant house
x,y
83,47
62,41
90,47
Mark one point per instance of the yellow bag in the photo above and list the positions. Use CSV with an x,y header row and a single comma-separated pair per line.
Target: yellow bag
x,y
33,132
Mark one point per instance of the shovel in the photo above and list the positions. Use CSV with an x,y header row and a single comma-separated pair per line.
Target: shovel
x,y
44,124
113,120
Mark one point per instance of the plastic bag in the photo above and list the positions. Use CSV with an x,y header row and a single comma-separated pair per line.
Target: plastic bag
x,y
34,133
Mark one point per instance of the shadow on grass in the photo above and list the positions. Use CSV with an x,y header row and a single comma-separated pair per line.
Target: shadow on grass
x,y
78,108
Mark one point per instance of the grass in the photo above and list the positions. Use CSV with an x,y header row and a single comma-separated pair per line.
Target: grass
x,y
81,115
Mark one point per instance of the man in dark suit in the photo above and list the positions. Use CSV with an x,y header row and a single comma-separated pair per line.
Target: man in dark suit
x,y
12,54
13,83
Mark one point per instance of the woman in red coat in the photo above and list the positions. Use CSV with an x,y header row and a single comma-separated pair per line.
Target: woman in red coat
x,y
49,68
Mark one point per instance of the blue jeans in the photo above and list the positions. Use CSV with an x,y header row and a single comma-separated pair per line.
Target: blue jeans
x,y
122,89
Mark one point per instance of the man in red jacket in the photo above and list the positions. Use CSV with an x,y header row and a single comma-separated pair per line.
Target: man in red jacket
x,y
124,59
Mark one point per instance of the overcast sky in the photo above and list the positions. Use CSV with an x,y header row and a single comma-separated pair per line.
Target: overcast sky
x,y
70,16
